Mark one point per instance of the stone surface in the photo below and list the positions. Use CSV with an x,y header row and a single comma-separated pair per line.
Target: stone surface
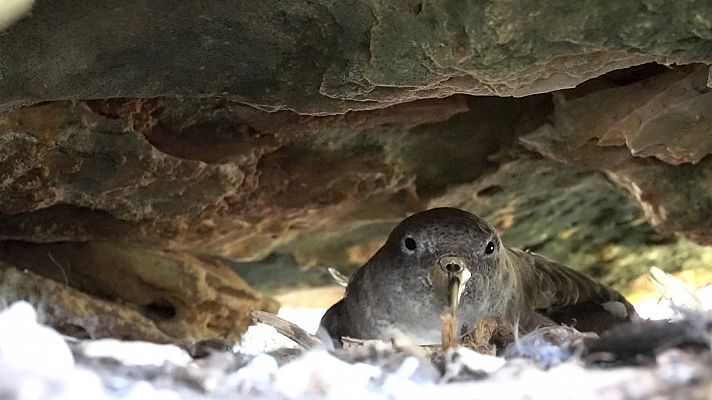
x,y
332,56
100,289
650,137
74,313
215,176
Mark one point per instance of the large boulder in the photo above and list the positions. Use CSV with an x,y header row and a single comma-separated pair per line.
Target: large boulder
x,y
101,289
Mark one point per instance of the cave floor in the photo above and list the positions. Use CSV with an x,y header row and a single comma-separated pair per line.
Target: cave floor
x,y
37,362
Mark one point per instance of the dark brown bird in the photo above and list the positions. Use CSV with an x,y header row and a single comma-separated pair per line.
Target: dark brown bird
x,y
446,257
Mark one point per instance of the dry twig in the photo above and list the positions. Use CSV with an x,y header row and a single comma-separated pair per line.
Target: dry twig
x,y
288,329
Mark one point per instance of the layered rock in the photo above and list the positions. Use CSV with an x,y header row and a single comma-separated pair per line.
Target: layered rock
x,y
651,137
215,176
328,57
98,290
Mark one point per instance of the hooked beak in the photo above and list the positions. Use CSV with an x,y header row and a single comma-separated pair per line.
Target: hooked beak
x,y
457,276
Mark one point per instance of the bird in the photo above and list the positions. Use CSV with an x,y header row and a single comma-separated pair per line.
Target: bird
x,y
447,258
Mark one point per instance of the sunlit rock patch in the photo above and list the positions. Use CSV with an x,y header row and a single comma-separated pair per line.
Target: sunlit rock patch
x,y
99,290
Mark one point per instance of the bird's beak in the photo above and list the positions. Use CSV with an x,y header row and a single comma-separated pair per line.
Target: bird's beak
x,y
457,276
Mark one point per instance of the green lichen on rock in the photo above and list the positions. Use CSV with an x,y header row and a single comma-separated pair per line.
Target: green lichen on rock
x,y
675,199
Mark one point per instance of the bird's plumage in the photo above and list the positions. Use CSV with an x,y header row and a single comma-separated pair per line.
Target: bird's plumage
x,y
399,290
569,297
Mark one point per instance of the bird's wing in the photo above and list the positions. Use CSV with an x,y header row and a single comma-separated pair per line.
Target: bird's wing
x,y
570,297
335,323
329,329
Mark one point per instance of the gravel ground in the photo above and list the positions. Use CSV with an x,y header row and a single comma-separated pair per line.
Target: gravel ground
x,y
38,363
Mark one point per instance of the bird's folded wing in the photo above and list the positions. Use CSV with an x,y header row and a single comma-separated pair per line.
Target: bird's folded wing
x,y
570,297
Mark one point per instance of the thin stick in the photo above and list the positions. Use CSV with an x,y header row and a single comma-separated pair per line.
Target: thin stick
x,y
64,274
288,329
338,277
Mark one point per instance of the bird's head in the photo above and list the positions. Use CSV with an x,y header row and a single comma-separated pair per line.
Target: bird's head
x,y
444,248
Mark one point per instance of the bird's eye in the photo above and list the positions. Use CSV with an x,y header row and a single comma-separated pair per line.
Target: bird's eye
x,y
490,248
410,244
